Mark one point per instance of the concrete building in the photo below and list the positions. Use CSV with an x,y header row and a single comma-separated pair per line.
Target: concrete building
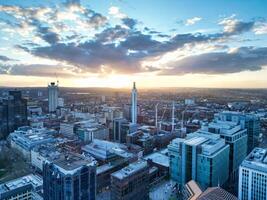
x,y
216,193
236,137
134,104
121,128
23,188
192,191
42,153
106,151
89,131
26,138
201,156
247,121
104,172
52,97
253,176
131,182
70,177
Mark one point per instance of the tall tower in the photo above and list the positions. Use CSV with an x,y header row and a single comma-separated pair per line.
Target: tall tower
x,y
52,97
134,104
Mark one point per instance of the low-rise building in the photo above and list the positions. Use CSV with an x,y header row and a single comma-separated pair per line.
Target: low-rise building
x,y
23,188
26,138
131,182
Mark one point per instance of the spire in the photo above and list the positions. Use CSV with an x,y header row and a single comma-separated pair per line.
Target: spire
x,y
134,85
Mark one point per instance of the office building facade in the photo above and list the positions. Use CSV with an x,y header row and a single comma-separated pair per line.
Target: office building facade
x,y
253,176
247,121
70,177
201,156
236,137
13,113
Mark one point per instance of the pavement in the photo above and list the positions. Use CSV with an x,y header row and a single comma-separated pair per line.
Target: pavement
x,y
162,191
103,196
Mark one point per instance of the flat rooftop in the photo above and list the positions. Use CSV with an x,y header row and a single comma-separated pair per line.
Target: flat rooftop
x,y
256,160
159,159
71,162
30,179
130,170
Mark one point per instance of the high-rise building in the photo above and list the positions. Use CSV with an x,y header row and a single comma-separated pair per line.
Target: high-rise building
x,y
247,121
131,182
201,156
236,137
52,97
253,176
13,113
134,104
70,177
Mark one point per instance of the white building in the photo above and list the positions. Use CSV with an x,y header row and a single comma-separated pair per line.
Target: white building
x,y
52,97
134,104
23,188
253,176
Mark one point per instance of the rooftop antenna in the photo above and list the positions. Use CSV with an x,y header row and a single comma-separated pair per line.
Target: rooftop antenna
x,y
156,116
173,116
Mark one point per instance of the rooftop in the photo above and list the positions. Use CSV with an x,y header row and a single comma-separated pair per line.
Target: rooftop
x,y
158,158
130,170
103,149
257,160
30,179
71,162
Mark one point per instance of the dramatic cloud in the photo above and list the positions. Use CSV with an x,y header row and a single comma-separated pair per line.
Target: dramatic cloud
x,y
236,60
192,21
85,41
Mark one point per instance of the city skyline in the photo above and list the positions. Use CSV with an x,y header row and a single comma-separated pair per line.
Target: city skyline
x,y
114,43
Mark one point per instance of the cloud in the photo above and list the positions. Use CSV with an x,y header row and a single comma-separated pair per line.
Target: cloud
x,y
231,25
129,22
260,28
5,58
192,21
115,12
84,40
42,70
234,61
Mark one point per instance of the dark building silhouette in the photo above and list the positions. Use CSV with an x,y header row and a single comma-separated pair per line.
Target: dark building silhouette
x,y
70,177
13,113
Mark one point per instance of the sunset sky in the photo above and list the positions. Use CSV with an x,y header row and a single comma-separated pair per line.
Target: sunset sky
x,y
157,43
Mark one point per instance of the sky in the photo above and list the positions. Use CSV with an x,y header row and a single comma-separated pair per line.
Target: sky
x,y
157,43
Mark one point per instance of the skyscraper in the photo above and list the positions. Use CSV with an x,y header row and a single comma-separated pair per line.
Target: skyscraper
x,y
134,104
201,156
247,121
236,137
253,176
69,177
13,113
52,97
